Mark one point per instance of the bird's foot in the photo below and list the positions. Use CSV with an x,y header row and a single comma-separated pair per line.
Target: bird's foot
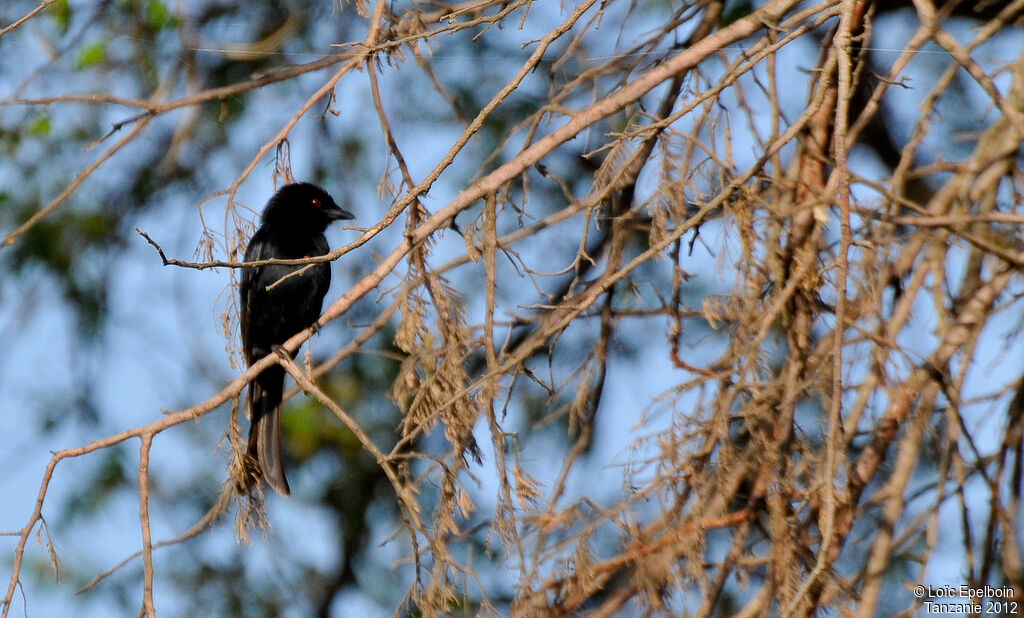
x,y
280,351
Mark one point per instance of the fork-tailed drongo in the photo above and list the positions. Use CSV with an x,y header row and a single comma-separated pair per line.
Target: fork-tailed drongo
x,y
292,227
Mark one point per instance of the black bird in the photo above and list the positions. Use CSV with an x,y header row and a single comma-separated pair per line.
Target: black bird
x,y
292,227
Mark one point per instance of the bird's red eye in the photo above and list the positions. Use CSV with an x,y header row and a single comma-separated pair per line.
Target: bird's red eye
x,y
316,202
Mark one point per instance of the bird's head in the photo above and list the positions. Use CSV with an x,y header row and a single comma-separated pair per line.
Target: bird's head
x,y
303,205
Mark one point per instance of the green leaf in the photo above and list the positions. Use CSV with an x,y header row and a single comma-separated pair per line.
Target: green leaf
x,y
61,12
91,55
157,15
40,126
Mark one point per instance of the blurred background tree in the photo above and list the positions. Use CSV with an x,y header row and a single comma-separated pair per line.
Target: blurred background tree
x,y
582,355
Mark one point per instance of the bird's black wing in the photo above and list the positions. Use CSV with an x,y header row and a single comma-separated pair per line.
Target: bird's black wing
x,y
247,290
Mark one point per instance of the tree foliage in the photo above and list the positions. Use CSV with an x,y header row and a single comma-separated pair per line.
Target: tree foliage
x,y
691,307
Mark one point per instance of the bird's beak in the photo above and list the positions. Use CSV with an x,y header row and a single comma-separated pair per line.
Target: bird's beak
x,y
335,213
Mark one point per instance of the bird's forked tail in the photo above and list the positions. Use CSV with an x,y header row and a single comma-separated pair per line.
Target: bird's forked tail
x,y
265,429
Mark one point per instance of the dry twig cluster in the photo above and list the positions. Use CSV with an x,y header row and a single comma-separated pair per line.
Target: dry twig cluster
x,y
820,442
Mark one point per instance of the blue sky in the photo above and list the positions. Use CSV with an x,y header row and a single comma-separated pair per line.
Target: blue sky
x,y
164,348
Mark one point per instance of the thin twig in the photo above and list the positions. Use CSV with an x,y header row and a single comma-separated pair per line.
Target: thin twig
x,y
147,540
